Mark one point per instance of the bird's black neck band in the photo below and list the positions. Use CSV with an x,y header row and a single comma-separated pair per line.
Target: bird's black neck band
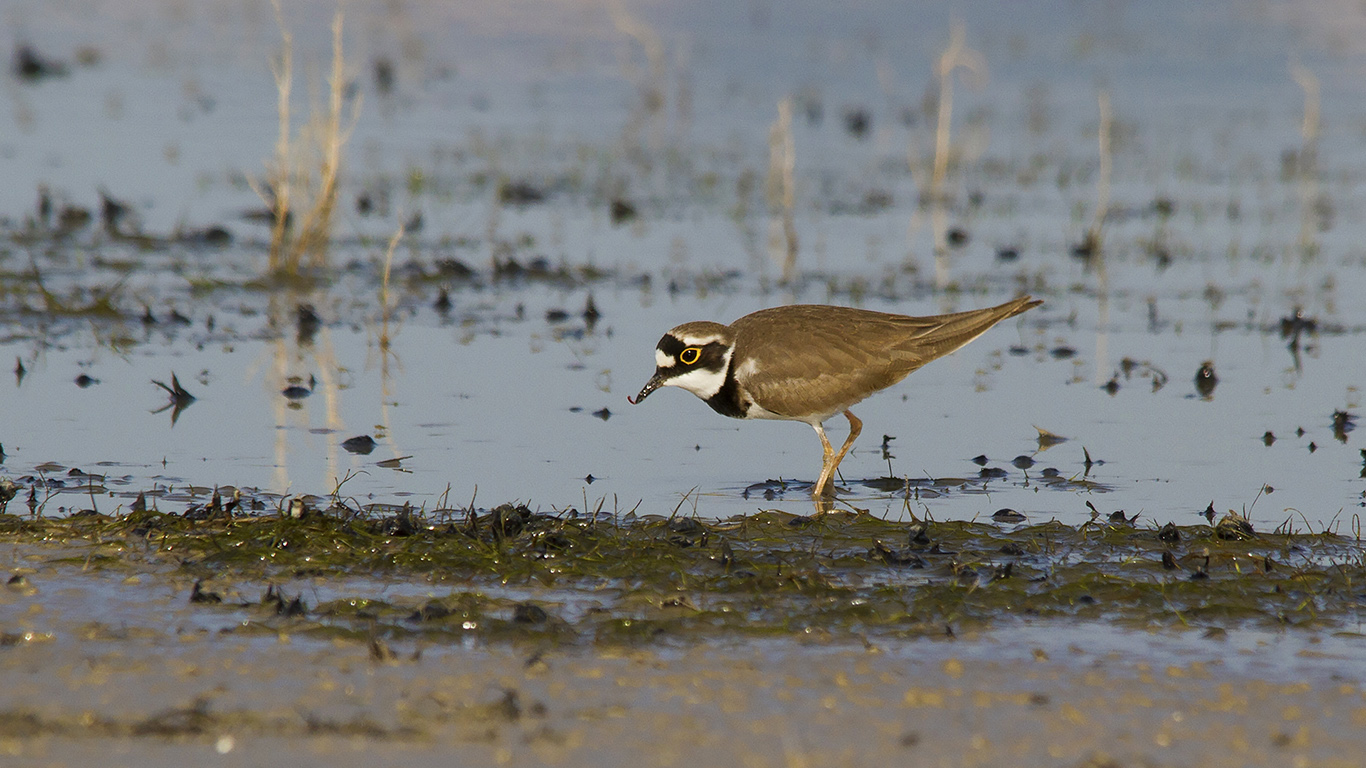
x,y
728,401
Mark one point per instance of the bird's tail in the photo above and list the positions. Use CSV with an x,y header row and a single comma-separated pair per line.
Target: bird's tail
x,y
942,334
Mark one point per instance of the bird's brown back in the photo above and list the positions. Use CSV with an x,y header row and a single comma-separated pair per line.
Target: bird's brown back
x,y
815,361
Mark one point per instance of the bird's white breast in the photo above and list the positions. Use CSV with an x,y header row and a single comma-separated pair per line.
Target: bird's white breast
x,y
756,411
747,368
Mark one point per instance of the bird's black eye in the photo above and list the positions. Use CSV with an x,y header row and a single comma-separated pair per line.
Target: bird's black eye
x,y
690,355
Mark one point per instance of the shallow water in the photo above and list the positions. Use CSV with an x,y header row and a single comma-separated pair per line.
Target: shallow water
x,y
670,109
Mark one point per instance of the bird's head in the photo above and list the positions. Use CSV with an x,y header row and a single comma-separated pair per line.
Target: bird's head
x,y
693,356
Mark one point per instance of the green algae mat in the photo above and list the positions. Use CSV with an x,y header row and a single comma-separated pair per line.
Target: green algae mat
x,y
513,575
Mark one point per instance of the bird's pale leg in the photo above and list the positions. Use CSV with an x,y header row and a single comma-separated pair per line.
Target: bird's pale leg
x,y
826,469
855,427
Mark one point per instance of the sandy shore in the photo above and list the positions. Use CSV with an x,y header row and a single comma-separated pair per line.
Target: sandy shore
x,y
91,681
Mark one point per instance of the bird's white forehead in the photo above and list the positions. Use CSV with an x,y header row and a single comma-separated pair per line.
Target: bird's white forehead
x,y
698,340
663,359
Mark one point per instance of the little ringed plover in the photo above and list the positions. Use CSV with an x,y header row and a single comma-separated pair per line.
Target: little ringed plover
x,y
810,362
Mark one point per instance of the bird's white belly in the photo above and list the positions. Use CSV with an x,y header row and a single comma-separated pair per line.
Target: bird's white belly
x,y
756,411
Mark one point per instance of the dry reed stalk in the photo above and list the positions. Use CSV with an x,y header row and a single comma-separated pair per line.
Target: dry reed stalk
x,y
303,175
386,351
781,190
315,230
1094,234
1306,164
388,265
278,173
1309,83
956,55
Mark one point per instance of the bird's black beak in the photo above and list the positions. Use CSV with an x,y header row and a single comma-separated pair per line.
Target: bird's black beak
x,y
656,381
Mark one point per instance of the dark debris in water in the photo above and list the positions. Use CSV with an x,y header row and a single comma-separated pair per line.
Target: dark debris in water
x,y
1131,369
520,193
682,579
1008,515
1234,527
771,489
622,211
857,122
180,398
28,65
361,445
297,390
1293,326
1343,422
1206,380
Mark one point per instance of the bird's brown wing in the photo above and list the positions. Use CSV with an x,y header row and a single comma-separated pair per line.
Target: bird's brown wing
x,y
818,360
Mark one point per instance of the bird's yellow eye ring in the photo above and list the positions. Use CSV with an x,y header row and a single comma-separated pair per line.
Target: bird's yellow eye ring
x,y
690,355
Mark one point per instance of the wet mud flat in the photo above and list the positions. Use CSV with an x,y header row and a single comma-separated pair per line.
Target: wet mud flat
x,y
513,637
